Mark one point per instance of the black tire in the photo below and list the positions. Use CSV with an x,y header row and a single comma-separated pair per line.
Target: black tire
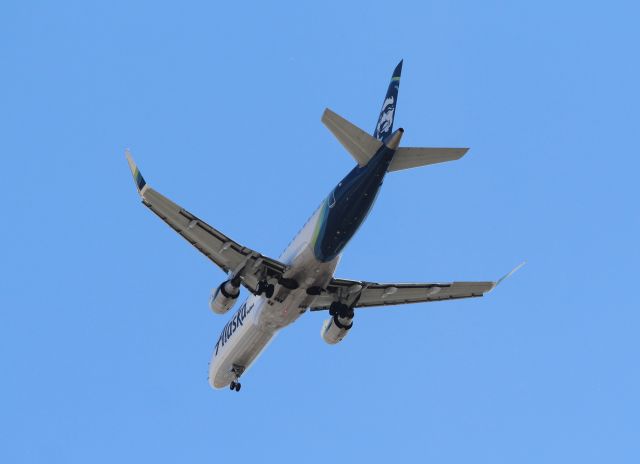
x,y
232,386
238,387
263,288
269,291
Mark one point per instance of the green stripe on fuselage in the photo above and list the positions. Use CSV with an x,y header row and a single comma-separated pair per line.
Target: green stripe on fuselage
x,y
322,217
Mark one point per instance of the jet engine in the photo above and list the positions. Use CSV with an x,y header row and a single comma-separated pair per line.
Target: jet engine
x,y
336,328
224,297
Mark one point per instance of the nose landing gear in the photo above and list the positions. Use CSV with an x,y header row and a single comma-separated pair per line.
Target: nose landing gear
x,y
236,371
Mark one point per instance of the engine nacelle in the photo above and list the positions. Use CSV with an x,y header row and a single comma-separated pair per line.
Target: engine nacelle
x,y
336,328
224,297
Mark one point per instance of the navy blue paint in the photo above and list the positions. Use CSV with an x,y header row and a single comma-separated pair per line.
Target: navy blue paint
x,y
354,197
384,126
140,182
349,203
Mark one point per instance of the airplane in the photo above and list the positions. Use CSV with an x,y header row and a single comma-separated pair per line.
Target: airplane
x,y
302,278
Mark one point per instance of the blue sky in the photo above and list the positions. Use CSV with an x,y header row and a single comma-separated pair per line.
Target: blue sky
x,y
105,333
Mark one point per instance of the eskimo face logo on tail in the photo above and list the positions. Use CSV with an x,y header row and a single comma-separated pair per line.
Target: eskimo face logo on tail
x,y
386,117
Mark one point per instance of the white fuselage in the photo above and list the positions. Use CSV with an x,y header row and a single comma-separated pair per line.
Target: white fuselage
x,y
312,258
259,318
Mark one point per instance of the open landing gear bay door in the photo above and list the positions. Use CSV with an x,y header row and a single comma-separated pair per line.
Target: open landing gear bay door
x,y
358,294
227,254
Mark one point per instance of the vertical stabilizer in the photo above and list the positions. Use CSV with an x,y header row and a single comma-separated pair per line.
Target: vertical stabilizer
x,y
384,127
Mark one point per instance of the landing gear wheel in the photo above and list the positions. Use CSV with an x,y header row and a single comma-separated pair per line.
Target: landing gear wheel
x,y
236,372
269,292
341,310
265,288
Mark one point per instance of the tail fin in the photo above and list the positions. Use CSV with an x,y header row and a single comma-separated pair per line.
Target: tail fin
x,y
384,127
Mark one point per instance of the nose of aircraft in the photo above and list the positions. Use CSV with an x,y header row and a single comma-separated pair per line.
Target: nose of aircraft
x,y
394,139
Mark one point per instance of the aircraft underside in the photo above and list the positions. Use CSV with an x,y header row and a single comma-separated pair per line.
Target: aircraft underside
x,y
240,344
302,277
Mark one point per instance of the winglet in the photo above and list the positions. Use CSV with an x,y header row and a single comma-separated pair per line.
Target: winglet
x,y
509,274
137,177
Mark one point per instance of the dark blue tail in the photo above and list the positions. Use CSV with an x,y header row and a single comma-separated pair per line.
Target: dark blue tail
x,y
384,127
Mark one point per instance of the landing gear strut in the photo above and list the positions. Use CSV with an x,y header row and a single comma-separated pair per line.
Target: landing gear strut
x,y
341,310
237,372
266,288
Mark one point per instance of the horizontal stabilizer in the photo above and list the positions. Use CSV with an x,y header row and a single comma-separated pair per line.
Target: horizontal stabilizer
x,y
357,142
406,158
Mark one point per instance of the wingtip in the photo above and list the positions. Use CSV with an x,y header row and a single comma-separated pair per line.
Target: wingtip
x,y
127,154
325,114
463,151
508,274
135,172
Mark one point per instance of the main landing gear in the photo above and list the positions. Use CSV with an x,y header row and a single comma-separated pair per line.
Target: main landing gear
x,y
265,288
341,310
237,372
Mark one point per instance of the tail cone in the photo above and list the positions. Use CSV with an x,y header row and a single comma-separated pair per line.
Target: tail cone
x,y
394,139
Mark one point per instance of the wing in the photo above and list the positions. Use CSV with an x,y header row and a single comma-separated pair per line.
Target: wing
x,y
359,294
227,254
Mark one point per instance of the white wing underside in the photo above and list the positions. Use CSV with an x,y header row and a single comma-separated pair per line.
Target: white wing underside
x,y
227,254
364,294
252,266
